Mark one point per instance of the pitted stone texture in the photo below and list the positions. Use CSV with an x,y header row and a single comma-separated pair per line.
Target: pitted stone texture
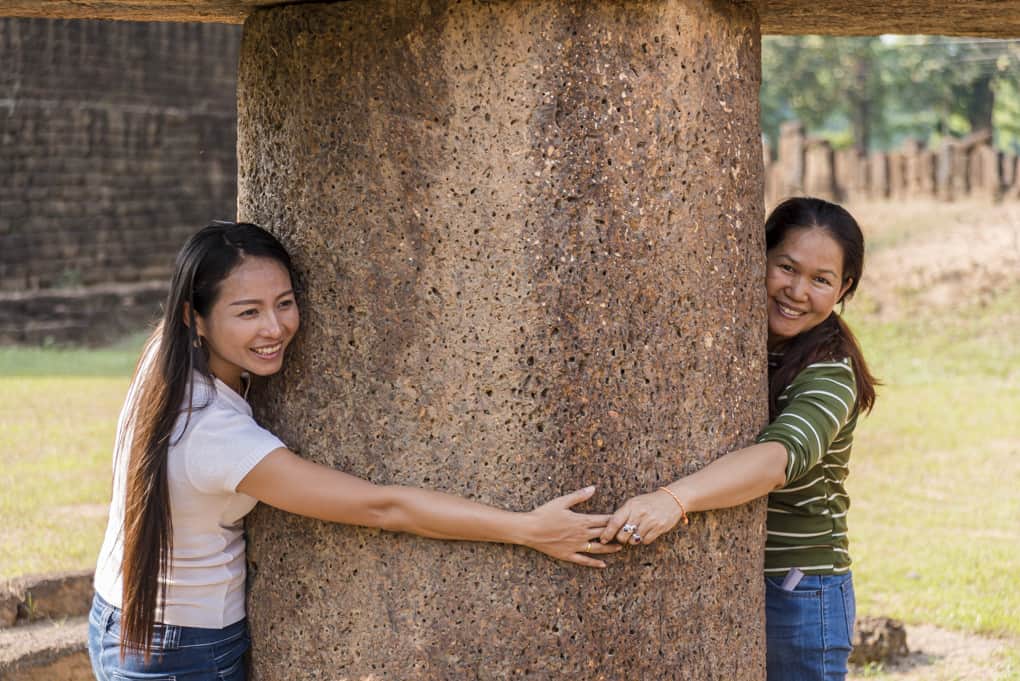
x,y
529,237
988,18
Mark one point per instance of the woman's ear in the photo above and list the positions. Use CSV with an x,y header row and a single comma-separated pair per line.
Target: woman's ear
x,y
846,287
199,322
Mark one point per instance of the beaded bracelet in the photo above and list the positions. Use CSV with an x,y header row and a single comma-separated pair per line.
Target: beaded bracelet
x,y
683,511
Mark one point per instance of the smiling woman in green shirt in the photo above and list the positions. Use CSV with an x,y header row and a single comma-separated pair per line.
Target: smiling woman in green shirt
x,y
819,383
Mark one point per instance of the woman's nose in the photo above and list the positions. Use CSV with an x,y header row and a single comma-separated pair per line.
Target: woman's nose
x,y
272,325
797,288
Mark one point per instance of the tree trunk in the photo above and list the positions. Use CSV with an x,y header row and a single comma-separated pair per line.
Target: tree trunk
x,y
860,109
981,104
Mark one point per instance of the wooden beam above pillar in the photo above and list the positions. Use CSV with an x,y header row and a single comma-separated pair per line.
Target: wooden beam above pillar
x,y
985,18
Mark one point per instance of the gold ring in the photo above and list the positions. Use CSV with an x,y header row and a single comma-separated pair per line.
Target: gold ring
x,y
587,547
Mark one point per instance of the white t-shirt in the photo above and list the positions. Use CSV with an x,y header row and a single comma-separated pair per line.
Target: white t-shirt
x,y
221,444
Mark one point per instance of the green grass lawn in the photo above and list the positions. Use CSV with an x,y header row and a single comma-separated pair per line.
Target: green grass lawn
x,y
58,412
115,361
936,515
935,522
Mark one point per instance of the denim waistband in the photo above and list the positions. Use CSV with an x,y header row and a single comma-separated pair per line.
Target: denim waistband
x,y
814,581
171,636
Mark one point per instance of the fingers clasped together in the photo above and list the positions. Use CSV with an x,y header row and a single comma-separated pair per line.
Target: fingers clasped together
x,y
644,518
580,538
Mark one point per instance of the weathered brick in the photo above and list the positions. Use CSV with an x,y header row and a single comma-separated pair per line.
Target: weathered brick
x,y
103,137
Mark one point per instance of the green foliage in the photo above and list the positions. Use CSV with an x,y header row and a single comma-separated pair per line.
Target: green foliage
x,y
884,89
1006,118
819,80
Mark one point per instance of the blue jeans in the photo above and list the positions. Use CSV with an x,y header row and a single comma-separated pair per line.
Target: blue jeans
x,y
178,653
809,631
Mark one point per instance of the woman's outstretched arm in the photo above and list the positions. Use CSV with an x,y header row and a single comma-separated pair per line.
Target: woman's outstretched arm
x,y
818,404
286,481
730,480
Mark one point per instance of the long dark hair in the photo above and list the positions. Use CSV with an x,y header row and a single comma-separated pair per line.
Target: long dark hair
x,y
172,355
832,339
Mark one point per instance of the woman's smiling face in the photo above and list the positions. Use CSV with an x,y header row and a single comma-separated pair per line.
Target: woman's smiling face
x,y
804,281
254,318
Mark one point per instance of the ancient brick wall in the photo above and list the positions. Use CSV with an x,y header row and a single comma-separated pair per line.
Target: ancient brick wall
x,y
117,142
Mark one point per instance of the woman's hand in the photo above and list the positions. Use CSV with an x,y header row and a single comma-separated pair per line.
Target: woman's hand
x,y
730,480
557,531
642,519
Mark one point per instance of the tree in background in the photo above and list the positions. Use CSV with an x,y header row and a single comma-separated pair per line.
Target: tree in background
x,y
872,92
831,84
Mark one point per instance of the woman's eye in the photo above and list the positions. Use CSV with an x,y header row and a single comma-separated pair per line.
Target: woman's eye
x,y
822,280
249,313
786,268
285,304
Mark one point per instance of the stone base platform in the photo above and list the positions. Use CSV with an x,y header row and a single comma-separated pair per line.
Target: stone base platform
x,y
89,315
46,651
44,627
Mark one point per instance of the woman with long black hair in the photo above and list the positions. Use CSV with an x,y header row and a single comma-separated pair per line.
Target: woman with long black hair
x,y
190,462
819,384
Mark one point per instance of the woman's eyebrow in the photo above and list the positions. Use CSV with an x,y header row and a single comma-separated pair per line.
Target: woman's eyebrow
x,y
255,301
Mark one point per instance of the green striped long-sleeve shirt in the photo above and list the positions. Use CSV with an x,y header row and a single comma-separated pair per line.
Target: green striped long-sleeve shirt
x,y
806,524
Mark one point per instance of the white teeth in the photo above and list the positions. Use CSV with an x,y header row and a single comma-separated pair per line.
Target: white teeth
x,y
270,350
787,311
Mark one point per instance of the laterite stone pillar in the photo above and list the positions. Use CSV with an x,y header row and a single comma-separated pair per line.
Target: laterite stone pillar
x,y
530,241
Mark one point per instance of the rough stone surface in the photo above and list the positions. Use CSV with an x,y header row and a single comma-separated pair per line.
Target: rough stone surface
x,y
878,639
967,167
960,178
68,666
1011,177
896,175
984,171
9,600
910,155
920,170
529,237
819,175
989,18
847,171
53,596
46,651
878,172
945,155
792,148
1009,174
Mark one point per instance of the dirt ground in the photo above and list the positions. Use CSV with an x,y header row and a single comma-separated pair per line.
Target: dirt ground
x,y
941,655
939,256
